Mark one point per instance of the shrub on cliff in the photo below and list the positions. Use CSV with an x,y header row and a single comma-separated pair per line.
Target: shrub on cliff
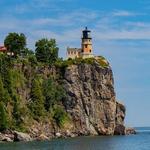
x,y
60,116
4,96
3,117
18,113
32,59
102,61
37,100
53,93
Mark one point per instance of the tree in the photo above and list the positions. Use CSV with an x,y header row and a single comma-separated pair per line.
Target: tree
x,y
3,117
17,116
60,116
15,42
46,50
4,96
53,93
37,98
27,52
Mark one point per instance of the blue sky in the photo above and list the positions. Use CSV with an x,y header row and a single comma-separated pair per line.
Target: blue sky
x,y
120,30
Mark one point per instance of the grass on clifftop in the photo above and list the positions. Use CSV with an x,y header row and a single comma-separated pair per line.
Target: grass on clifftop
x,y
98,59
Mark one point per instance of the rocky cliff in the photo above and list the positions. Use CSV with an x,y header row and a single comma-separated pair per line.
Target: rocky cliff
x,y
89,104
91,100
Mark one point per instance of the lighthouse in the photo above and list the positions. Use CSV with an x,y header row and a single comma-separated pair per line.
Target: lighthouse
x,y
86,50
86,44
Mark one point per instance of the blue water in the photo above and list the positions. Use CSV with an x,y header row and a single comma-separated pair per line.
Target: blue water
x,y
140,141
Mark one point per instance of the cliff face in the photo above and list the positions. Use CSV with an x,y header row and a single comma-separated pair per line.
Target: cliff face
x,y
88,107
91,100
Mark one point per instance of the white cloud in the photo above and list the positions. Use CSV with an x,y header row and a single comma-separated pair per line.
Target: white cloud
x,y
123,34
124,13
104,26
73,19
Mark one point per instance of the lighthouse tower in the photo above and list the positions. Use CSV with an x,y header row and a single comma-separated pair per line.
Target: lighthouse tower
x,y
86,44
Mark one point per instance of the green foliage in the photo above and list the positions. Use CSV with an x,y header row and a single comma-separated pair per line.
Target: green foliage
x,y
88,61
32,59
27,52
60,116
65,63
53,93
46,51
102,61
17,78
76,61
4,96
17,112
15,42
3,117
37,100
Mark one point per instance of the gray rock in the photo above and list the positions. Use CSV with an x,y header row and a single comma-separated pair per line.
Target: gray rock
x,y
7,139
19,136
130,131
42,137
120,130
91,100
58,135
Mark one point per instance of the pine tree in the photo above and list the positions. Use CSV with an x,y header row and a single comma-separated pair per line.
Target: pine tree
x,y
3,117
37,104
16,112
53,93
4,96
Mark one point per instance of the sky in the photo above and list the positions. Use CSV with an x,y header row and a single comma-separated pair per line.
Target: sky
x,y
120,31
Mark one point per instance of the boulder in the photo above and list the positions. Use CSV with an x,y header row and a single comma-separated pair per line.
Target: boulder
x,y
6,137
19,136
58,135
120,130
130,131
42,137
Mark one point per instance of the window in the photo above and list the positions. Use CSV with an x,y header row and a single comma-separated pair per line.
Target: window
x,y
85,45
90,50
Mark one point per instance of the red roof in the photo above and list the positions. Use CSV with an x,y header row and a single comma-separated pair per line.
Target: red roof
x,y
3,49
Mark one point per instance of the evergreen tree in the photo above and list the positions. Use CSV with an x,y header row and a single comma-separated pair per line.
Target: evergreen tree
x,y
4,96
60,116
3,117
2,91
37,104
53,93
17,112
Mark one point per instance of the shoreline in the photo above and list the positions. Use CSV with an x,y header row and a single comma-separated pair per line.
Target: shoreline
x,y
15,136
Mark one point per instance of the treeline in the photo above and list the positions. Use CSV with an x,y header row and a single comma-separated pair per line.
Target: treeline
x,y
46,50
26,96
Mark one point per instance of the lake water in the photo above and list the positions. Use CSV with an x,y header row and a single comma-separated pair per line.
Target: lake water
x,y
140,141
